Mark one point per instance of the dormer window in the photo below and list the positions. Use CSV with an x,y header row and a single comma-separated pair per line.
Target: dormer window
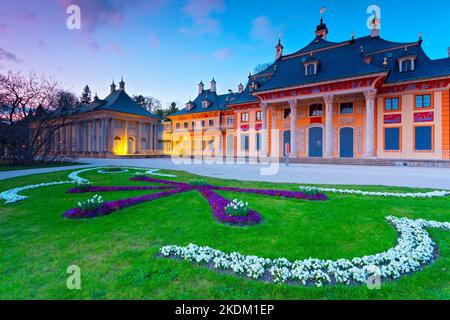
x,y
407,63
311,67
189,106
205,104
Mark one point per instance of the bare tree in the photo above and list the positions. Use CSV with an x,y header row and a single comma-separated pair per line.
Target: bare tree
x,y
30,116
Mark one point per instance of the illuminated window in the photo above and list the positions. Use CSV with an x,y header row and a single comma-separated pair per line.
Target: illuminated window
x,y
178,126
211,123
244,117
230,120
186,125
258,116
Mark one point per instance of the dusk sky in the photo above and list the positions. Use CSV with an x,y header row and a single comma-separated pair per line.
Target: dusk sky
x,y
163,48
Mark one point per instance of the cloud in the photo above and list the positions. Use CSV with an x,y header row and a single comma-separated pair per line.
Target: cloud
x,y
99,13
8,56
154,40
263,30
223,54
116,48
202,12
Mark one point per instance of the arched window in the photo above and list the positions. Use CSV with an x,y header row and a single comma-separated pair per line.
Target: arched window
x,y
117,139
316,110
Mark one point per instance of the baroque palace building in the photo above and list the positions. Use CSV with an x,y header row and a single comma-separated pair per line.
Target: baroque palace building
x,y
114,126
363,98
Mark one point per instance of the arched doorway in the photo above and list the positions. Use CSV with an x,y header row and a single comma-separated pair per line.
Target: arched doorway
x,y
346,142
286,143
131,145
117,149
315,142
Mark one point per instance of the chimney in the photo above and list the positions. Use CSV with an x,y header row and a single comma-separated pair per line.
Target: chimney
x,y
201,87
241,86
113,87
213,85
278,50
122,85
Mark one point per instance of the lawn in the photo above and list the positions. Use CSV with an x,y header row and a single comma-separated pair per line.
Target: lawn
x,y
5,167
117,253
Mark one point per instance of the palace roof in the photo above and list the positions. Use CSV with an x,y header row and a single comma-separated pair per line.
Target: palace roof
x,y
352,58
216,102
117,101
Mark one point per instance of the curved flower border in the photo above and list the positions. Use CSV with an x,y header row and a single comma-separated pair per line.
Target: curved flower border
x,y
105,171
217,203
432,194
13,196
415,249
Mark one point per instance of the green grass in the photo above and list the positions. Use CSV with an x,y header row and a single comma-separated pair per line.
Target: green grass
x,y
5,167
116,253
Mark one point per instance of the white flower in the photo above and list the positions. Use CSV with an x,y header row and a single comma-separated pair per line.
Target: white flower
x,y
414,249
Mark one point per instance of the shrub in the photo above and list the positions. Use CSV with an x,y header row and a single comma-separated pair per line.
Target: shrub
x,y
237,208
91,204
198,182
311,191
83,184
139,174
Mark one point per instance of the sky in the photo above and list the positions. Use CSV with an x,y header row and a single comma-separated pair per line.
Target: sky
x,y
163,48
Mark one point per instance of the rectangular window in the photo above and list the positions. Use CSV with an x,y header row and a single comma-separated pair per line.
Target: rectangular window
x,y
392,139
230,120
244,143
423,101
392,104
244,117
193,124
346,108
258,141
186,125
211,123
258,116
178,125
423,138
203,123
286,113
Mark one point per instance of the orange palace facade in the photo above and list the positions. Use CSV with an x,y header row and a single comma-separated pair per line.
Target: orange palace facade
x,y
365,98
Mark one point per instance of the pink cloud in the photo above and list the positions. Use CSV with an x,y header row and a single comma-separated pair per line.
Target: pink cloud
x,y
263,30
202,12
154,40
223,54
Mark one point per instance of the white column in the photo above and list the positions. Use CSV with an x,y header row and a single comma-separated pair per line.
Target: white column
x,y
110,147
369,133
293,105
264,134
275,145
328,126
138,137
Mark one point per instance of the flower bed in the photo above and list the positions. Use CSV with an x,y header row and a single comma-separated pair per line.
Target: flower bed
x,y
276,193
218,205
118,188
414,249
432,194
110,207
12,195
112,170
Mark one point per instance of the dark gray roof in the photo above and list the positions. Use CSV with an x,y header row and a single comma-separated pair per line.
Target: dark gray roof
x,y
216,103
118,101
347,59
